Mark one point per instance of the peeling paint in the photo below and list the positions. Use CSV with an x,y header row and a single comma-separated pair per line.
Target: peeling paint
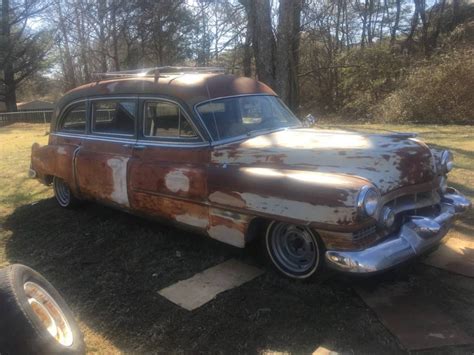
x,y
119,176
176,180
195,221
227,199
227,235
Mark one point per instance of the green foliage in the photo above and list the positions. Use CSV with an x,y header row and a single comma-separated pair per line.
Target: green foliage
x,y
439,91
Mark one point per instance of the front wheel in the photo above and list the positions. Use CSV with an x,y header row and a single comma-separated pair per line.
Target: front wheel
x,y
35,319
294,250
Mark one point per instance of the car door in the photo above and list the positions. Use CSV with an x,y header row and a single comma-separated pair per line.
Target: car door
x,y
103,158
168,176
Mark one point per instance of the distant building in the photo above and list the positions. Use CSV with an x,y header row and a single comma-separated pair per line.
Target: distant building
x,y
36,105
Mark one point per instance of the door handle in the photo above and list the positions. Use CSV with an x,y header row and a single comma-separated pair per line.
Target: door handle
x,y
127,145
139,147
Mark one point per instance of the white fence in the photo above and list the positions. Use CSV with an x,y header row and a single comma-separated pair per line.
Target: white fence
x,y
7,118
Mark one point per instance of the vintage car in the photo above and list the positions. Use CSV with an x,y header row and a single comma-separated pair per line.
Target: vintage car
x,y
224,156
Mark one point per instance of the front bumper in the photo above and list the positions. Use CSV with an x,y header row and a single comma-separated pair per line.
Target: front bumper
x,y
417,235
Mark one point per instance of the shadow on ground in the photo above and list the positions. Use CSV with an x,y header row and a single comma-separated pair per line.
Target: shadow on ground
x,y
109,266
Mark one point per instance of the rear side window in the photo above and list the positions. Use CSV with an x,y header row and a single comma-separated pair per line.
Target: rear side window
x,y
75,119
166,119
114,116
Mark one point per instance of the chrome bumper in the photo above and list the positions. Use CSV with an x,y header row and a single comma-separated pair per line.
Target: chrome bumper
x,y
416,236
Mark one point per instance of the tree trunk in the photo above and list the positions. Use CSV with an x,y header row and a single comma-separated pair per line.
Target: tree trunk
x,y
247,60
8,71
364,24
69,75
82,41
393,36
287,53
115,36
263,41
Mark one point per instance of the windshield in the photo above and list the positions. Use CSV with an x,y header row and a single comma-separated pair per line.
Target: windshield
x,y
242,115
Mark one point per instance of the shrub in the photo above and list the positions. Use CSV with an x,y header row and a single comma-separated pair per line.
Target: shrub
x,y
441,91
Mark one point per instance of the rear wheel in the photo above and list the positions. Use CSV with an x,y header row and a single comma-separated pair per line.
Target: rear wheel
x,y
294,250
63,194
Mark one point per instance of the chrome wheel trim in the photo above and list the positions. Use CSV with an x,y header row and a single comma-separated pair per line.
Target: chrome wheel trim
x,y
61,192
293,249
49,313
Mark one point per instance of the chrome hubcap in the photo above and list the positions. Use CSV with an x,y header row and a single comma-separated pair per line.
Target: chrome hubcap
x,y
62,192
293,247
49,313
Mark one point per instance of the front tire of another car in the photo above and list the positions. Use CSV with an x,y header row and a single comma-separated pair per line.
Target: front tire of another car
x,y
63,194
293,250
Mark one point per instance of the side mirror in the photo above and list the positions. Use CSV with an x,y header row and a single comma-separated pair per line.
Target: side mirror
x,y
309,120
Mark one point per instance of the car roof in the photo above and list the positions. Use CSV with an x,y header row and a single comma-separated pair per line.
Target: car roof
x,y
190,88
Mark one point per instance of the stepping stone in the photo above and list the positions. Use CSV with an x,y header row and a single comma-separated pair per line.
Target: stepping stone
x,y
205,286
456,255
416,321
324,351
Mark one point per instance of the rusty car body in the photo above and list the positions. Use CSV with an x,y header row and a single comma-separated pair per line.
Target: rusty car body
x,y
222,155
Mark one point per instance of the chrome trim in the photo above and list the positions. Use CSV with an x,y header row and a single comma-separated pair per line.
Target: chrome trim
x,y
246,136
387,216
413,201
174,144
460,203
134,141
31,173
95,137
447,161
360,205
416,236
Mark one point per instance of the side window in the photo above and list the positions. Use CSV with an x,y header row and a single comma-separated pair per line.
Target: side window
x,y
165,119
114,116
75,119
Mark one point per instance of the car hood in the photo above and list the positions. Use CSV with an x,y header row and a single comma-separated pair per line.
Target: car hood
x,y
389,161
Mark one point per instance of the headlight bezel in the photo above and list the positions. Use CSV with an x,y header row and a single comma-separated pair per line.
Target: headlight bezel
x,y
447,161
366,207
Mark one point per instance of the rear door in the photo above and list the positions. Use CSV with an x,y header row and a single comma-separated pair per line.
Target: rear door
x,y
102,161
168,171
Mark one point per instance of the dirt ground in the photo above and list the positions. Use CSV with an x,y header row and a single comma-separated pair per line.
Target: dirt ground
x,y
110,266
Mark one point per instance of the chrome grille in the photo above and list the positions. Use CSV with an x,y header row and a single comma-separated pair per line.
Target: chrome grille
x,y
412,202
360,234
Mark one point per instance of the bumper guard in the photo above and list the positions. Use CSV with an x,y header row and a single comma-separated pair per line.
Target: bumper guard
x,y
417,235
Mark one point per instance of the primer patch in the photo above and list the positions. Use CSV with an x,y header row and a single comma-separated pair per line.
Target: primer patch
x,y
415,320
119,176
205,286
176,181
456,255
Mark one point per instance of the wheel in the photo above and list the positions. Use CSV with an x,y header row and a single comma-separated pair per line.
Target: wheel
x,y
63,194
293,250
34,317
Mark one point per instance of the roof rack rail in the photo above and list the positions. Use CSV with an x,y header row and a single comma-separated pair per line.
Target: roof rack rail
x,y
158,71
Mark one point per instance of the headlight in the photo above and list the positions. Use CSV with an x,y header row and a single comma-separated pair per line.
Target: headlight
x,y
368,200
447,161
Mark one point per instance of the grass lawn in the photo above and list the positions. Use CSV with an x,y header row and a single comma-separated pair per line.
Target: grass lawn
x,y
110,265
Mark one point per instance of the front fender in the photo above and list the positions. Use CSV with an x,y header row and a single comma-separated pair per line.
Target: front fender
x,y
322,200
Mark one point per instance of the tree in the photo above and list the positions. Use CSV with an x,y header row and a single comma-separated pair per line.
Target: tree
x,y
22,50
276,57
